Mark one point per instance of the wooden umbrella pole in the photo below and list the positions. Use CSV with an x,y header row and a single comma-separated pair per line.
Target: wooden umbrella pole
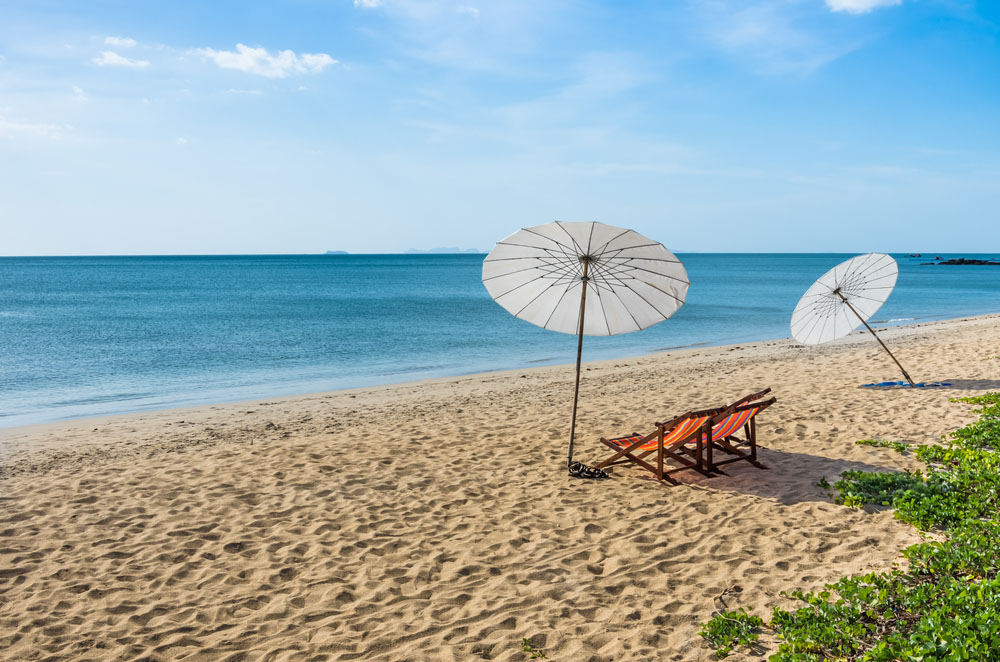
x,y
579,354
872,331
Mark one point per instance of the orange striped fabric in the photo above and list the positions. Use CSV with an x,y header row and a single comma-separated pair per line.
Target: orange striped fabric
x,y
678,433
730,424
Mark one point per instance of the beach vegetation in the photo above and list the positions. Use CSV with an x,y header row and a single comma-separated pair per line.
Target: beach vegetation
x,y
897,446
533,653
732,628
944,604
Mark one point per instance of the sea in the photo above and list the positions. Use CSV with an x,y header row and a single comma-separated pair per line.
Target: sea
x,y
93,336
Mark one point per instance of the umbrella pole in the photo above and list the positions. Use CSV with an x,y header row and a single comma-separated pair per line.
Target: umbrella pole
x,y
872,331
579,354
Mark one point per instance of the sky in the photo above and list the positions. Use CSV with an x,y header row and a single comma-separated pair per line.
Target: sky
x,y
188,127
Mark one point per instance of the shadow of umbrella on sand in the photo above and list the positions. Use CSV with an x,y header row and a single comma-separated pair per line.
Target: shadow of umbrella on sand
x,y
585,278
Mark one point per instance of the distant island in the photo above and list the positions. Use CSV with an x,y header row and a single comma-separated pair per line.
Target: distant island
x,y
442,249
336,253
962,261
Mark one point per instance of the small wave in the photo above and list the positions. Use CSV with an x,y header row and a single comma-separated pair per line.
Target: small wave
x,y
667,349
541,360
895,319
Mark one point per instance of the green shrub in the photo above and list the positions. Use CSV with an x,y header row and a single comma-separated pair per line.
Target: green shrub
x,y
946,604
897,446
731,628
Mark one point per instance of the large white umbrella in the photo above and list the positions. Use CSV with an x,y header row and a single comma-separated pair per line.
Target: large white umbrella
x,y
843,299
545,273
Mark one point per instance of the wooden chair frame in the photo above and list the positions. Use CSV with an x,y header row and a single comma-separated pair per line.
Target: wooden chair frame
x,y
693,452
731,444
680,451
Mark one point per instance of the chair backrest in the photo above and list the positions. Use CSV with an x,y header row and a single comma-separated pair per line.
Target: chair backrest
x,y
728,421
751,398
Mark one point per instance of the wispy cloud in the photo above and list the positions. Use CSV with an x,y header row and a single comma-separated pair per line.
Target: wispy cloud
x,y
250,92
774,36
121,42
367,4
860,6
262,63
112,59
11,129
78,94
471,11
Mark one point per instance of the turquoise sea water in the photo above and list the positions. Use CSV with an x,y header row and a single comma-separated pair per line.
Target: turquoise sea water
x,y
88,336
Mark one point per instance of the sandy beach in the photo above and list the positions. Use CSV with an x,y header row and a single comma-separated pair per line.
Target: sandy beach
x,y
435,520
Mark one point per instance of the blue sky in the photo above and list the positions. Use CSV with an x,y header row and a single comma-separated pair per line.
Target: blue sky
x,y
380,125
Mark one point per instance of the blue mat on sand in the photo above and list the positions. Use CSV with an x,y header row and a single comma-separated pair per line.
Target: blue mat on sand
x,y
906,385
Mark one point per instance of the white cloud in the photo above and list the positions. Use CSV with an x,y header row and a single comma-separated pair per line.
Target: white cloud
x,y
860,6
235,91
259,61
121,42
471,11
181,141
79,94
9,129
368,4
112,59
773,37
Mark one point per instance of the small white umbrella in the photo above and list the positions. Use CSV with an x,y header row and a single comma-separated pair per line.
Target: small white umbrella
x,y
543,275
844,298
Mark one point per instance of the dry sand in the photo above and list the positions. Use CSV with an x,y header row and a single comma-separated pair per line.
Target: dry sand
x,y
435,521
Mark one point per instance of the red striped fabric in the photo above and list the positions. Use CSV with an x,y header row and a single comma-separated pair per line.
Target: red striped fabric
x,y
730,424
679,433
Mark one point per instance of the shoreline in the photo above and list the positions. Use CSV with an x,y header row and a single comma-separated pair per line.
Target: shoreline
x,y
4,429
17,440
434,519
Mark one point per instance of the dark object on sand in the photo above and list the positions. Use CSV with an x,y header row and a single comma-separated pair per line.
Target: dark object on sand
x,y
906,385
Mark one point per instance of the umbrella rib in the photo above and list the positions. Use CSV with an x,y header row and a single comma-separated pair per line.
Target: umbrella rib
x,y
561,257
531,268
817,320
563,277
637,325
555,307
576,246
860,296
660,289
518,313
608,242
537,248
624,266
539,234
867,267
604,313
636,292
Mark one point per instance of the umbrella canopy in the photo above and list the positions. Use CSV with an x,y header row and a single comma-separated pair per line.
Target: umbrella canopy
x,y
844,298
537,274
543,275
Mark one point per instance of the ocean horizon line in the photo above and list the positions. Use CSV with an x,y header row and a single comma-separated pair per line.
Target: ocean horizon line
x,y
326,254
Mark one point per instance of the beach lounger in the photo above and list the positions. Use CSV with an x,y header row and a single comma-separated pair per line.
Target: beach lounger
x,y
679,440
687,440
724,427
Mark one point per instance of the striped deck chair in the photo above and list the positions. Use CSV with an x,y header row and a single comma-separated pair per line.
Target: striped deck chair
x,y
681,440
726,424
